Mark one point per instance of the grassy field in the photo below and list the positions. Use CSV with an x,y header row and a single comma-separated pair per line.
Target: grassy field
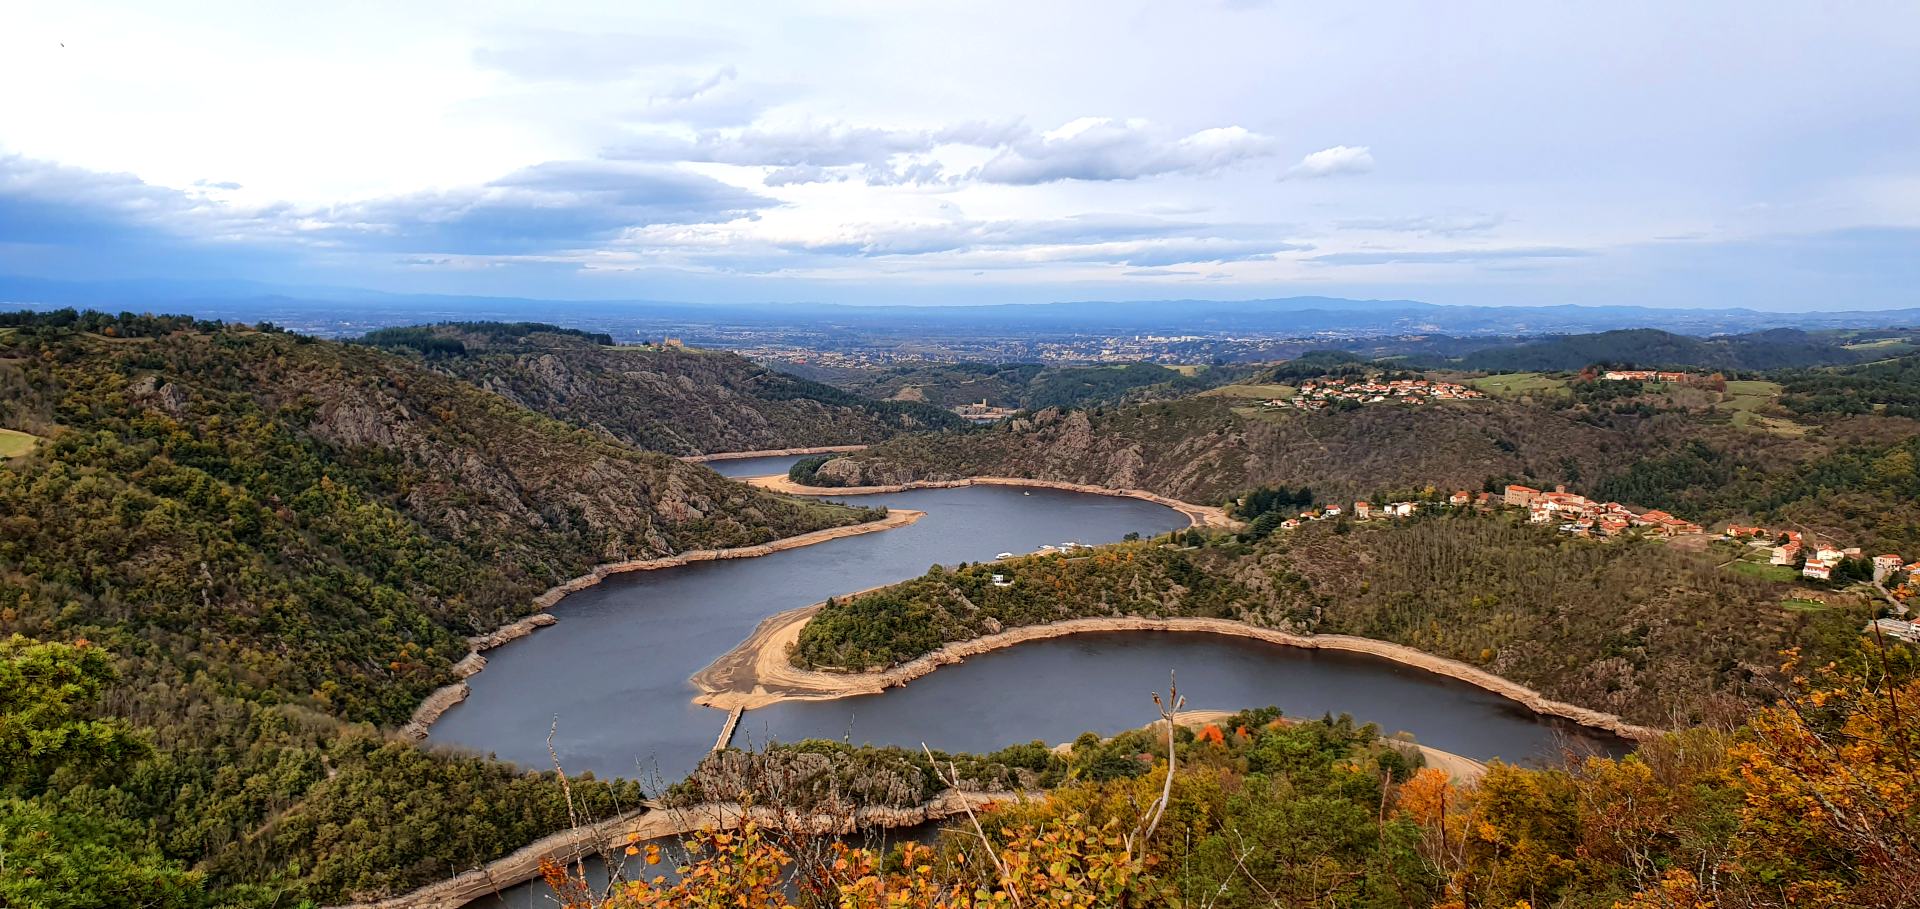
x,y
1257,392
13,444
1799,605
1748,394
1518,384
1765,571
1892,347
1746,397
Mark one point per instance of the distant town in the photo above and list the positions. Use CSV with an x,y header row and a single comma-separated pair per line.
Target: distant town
x,y
1317,394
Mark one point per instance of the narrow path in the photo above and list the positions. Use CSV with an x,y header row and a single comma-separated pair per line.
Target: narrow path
x,y
726,732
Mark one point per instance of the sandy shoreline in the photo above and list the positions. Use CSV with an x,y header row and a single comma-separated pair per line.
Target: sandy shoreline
x,y
443,699
770,453
1200,515
758,672
614,834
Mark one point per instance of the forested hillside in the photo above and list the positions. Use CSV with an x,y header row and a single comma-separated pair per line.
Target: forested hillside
x,y
1207,449
1640,630
671,399
1028,386
1651,348
281,545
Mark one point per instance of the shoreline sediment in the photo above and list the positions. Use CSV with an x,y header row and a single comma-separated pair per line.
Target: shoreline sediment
x,y
759,671
614,834
444,698
770,453
1200,515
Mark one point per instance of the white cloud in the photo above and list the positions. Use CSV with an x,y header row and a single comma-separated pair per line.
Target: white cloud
x,y
1439,225
1332,162
1098,149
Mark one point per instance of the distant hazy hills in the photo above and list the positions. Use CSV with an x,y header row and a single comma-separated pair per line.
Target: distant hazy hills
x,y
1287,316
1779,348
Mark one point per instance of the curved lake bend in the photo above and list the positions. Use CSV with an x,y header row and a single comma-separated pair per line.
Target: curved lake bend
x,y
754,467
613,672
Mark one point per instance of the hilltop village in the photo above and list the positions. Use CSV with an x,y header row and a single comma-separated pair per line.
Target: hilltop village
x,y
1319,393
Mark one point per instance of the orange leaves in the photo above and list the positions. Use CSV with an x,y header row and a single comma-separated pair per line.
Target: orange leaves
x,y
1211,734
1428,796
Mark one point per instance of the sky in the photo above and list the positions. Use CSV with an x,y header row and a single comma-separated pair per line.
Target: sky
x,y
1697,154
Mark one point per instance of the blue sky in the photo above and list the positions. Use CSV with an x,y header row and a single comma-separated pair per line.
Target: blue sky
x,y
1700,154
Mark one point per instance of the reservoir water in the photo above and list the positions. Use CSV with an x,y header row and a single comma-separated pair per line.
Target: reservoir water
x,y
754,467
611,677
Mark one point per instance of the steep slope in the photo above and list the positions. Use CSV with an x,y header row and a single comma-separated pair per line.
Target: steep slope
x,y
1205,449
1640,630
278,539
676,400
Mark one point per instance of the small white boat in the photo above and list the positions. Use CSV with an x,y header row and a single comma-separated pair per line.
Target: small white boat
x,y
1026,493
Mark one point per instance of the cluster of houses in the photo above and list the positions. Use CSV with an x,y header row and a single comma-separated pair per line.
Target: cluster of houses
x,y
1576,513
1789,547
1317,393
1367,511
1648,375
1582,516
983,412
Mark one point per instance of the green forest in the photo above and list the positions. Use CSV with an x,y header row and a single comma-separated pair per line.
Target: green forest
x,y
677,400
252,552
1633,628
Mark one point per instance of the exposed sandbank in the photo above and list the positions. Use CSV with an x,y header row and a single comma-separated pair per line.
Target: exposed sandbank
x,y
760,672
613,835
1200,515
770,453
444,698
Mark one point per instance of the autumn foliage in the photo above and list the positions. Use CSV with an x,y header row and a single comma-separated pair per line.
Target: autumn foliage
x,y
1813,803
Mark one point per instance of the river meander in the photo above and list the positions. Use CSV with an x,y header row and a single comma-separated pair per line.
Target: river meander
x,y
613,672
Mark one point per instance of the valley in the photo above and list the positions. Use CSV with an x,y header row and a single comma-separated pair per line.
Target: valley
x,y
389,505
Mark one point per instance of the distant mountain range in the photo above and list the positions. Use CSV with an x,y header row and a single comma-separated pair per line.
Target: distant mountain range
x,y
355,309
